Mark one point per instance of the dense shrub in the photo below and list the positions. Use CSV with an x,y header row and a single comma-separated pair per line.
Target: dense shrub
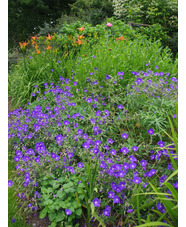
x,y
93,12
160,12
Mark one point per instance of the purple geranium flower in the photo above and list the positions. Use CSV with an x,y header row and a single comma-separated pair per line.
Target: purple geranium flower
x,y
133,165
80,165
137,180
107,77
120,73
97,142
111,194
132,158
66,122
125,166
95,128
96,202
151,131
129,210
122,185
143,162
107,112
36,127
59,138
110,141
134,148
68,212
85,136
16,158
120,106
85,145
124,150
161,143
92,121
106,212
113,152
10,183
124,136
89,100
121,174
98,113
79,131
116,199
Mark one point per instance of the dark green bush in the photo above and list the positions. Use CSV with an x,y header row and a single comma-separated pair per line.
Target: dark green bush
x,y
93,12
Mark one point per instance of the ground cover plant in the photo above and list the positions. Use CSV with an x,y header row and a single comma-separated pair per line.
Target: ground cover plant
x,y
97,139
59,136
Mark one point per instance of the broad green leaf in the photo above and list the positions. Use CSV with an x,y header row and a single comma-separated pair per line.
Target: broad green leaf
x,y
53,224
52,216
60,217
43,213
153,224
48,202
60,194
78,212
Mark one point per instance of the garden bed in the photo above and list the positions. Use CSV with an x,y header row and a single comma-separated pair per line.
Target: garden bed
x,y
96,137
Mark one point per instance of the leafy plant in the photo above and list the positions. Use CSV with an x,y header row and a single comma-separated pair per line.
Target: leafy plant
x,y
60,196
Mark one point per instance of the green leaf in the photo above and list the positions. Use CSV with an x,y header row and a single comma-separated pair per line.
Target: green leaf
x,y
153,224
52,216
53,224
48,202
162,216
138,205
55,185
78,212
43,213
45,197
61,194
60,217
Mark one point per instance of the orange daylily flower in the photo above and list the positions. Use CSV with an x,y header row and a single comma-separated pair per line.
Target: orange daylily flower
x,y
121,38
48,48
34,37
81,29
81,37
79,42
36,46
50,37
33,42
38,52
23,45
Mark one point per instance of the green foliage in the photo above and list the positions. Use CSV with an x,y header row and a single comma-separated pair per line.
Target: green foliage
x,y
94,11
150,12
171,205
92,172
58,195
14,210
